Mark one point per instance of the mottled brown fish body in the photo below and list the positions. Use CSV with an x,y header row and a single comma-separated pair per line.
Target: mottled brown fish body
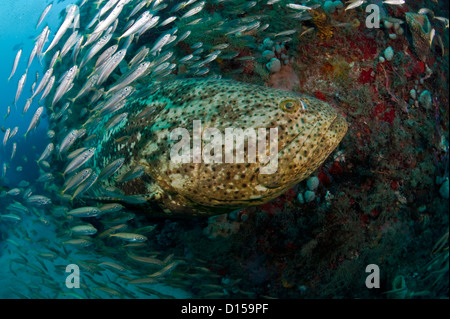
x,y
308,131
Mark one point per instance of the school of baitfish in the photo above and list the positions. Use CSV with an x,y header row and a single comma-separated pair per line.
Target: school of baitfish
x,y
112,100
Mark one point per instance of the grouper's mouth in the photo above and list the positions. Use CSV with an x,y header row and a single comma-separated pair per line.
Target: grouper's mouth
x,y
298,154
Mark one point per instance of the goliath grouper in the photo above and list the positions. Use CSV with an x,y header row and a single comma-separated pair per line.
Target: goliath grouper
x,y
308,131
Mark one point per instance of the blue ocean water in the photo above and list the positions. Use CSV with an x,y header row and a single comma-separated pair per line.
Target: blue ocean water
x,y
379,198
18,21
17,31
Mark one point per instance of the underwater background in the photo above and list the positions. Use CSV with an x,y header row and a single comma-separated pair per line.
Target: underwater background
x,y
380,197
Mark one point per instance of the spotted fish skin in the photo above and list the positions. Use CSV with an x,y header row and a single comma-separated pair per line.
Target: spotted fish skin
x,y
307,134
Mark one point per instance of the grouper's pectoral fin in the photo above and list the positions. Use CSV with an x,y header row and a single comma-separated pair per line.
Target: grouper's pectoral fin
x,y
128,199
142,198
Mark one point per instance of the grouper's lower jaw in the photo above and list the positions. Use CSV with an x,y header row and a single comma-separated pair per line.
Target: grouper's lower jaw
x,y
336,132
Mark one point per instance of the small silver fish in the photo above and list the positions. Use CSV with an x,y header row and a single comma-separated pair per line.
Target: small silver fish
x,y
150,24
27,105
184,36
202,71
179,6
197,45
87,184
90,84
43,14
95,49
71,12
79,160
44,178
107,7
193,11
162,58
43,82
4,168
115,120
38,200
110,66
130,237
111,168
138,7
69,44
20,86
33,54
143,19
133,173
355,4
285,33
77,48
426,11
87,211
298,6
160,43
13,132
43,37
444,20
66,84
432,34
14,192
103,25
95,36
6,136
394,2
185,58
80,242
160,68
76,179
16,62
13,152
105,56
18,207
75,153
140,55
97,95
68,141
133,76
112,207
8,111
54,59
47,152
48,88
35,119
11,217
128,42
168,21
221,46
84,230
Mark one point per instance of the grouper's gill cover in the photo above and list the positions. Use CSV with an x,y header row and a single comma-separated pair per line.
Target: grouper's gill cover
x,y
308,131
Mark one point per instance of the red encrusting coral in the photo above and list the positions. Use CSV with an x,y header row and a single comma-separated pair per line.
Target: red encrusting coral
x,y
372,186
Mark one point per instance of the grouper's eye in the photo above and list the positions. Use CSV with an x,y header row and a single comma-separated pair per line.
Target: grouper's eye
x,y
290,106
